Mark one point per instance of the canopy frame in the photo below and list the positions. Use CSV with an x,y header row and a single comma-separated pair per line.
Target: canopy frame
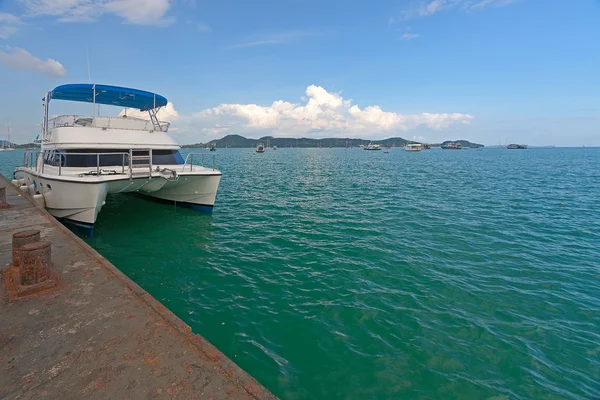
x,y
108,95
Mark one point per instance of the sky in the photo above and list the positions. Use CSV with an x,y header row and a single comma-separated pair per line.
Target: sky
x,y
488,71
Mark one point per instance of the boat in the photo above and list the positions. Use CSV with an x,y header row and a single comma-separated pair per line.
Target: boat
x,y
372,146
6,144
514,146
260,148
274,147
452,146
413,147
83,159
213,147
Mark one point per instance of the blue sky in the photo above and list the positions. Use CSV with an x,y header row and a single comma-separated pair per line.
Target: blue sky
x,y
490,71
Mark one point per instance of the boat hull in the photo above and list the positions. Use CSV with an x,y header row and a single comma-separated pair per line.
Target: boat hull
x,y
81,202
192,191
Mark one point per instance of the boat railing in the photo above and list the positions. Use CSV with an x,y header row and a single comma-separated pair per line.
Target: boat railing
x,y
191,157
61,159
127,162
30,159
129,123
63,120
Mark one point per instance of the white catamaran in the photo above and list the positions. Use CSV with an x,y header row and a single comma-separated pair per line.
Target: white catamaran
x,y
83,159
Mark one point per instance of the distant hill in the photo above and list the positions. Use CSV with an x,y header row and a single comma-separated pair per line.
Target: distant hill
x,y
32,145
240,141
463,143
5,143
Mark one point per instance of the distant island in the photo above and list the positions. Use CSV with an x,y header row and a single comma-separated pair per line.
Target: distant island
x,y
463,143
237,141
6,143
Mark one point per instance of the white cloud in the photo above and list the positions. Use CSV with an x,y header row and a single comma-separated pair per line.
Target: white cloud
x,y
424,8
203,27
167,113
494,3
140,12
252,44
277,38
435,6
410,36
8,25
323,114
22,60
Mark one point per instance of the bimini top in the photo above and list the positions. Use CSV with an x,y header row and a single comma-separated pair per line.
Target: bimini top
x,y
110,95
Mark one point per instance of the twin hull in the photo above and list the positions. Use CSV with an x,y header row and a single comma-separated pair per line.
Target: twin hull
x,y
82,201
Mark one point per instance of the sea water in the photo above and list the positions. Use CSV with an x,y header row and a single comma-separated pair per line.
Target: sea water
x,y
334,273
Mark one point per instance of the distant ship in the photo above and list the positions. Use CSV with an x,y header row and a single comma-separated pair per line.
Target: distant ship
x,y
260,148
452,146
413,147
372,146
213,147
514,146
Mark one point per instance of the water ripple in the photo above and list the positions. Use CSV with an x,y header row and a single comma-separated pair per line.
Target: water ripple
x,y
352,274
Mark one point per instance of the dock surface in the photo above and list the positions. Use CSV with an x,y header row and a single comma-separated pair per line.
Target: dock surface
x,y
99,335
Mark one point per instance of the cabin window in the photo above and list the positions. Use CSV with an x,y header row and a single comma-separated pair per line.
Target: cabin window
x,y
166,157
75,158
49,157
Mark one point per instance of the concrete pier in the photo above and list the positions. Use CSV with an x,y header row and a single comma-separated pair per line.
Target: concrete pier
x,y
96,335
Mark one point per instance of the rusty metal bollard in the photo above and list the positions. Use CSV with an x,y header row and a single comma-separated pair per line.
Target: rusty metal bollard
x,y
34,262
21,239
3,203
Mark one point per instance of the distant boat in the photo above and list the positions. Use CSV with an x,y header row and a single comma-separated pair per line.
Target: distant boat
x,y
274,147
514,146
452,146
413,147
372,146
213,147
260,148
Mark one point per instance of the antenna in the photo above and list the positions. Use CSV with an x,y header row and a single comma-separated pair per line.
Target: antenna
x,y
87,56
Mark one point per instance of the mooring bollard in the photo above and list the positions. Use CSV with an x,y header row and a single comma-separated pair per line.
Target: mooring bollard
x,y
3,203
34,262
21,239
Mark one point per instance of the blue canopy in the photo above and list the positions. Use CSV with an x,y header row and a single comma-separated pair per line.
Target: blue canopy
x,y
111,95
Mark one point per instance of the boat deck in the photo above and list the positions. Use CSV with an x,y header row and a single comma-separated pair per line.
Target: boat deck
x,y
99,335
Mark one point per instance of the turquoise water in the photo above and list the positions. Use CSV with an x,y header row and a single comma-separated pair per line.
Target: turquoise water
x,y
353,274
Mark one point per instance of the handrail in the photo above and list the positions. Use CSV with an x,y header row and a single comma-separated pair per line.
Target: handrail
x,y
190,158
69,120
31,160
